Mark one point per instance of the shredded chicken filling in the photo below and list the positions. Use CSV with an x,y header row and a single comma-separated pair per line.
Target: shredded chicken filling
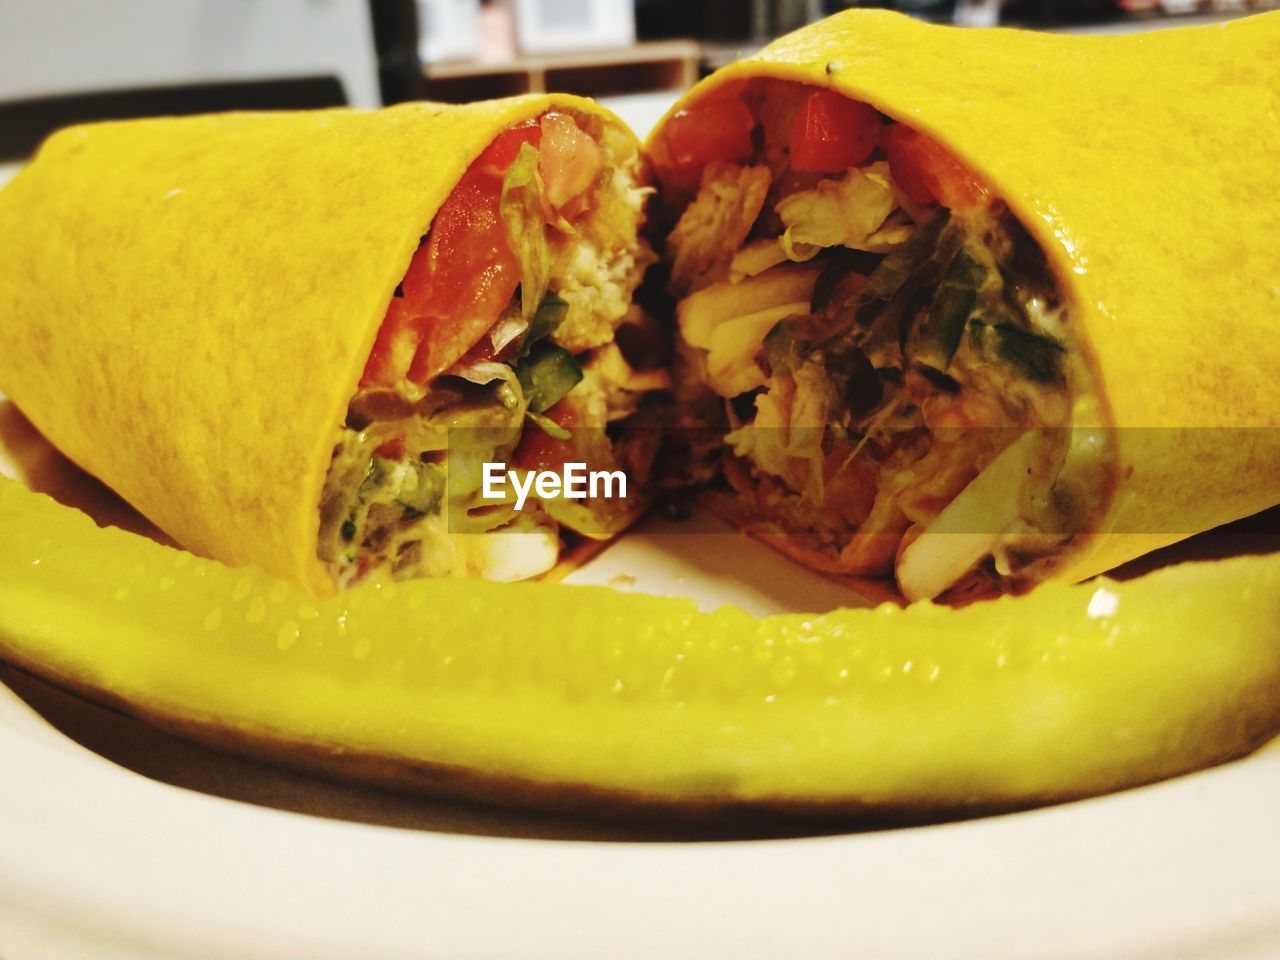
x,y
891,368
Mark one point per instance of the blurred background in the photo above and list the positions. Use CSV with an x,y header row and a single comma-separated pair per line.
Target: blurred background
x,y
65,61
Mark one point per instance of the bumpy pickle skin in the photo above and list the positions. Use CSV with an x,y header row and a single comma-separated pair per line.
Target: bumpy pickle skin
x,y
556,696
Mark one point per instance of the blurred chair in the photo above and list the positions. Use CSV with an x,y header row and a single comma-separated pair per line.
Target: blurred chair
x,y
396,30
71,60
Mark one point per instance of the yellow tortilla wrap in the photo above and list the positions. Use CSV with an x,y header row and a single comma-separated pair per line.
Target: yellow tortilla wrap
x,y
187,304
1144,165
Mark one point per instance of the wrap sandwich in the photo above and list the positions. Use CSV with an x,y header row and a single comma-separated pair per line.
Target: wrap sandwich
x,y
974,309
291,340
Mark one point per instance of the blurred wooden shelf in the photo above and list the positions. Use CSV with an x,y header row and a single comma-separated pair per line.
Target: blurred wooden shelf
x,y
660,65
721,54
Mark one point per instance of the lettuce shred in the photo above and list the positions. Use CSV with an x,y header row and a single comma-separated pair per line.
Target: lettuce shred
x,y
522,215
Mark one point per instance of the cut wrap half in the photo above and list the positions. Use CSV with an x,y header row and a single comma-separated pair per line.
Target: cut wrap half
x,y
964,319
292,340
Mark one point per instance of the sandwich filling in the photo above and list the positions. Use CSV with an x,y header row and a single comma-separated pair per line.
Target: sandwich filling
x,y
897,388
500,346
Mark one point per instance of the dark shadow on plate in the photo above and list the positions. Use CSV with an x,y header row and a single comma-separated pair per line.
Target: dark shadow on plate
x,y
44,469
156,755
1257,534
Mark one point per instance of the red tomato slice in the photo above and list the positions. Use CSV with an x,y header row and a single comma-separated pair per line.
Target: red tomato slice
x,y
391,450
459,280
587,442
394,347
720,130
569,161
832,133
538,450
502,152
927,173
473,275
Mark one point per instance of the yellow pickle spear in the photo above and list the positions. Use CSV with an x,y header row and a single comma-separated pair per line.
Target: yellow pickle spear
x,y
555,696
